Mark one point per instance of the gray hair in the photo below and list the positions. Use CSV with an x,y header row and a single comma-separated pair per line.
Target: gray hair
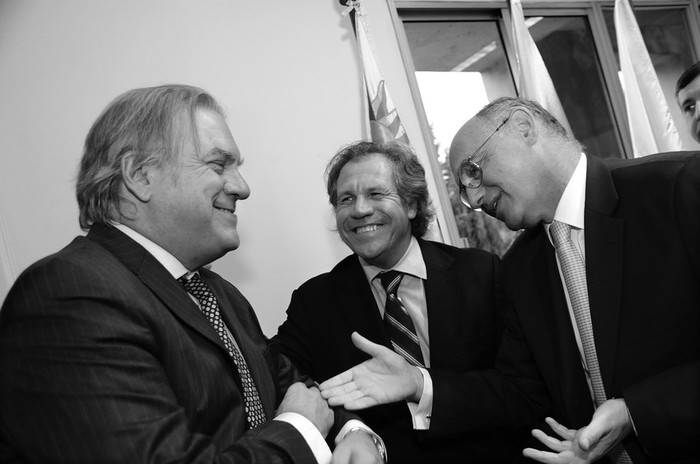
x,y
149,122
496,110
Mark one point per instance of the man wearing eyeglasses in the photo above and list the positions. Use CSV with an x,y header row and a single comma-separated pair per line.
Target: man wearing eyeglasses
x,y
449,301
618,349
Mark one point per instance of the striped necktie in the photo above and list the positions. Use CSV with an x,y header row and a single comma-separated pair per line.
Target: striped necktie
x,y
398,323
574,271
255,414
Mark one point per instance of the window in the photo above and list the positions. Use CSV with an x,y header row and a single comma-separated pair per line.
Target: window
x,y
462,58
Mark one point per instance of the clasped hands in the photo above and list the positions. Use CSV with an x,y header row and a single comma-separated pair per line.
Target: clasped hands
x,y
387,378
354,448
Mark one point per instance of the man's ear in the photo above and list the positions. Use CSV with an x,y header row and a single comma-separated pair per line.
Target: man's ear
x,y
524,121
137,177
412,211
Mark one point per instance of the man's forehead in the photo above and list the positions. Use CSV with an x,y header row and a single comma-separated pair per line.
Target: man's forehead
x,y
691,88
470,136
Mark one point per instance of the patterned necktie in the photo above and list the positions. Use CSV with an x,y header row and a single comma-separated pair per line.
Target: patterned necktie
x,y
397,321
210,307
574,271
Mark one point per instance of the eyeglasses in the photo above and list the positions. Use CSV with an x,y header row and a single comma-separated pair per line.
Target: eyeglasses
x,y
470,174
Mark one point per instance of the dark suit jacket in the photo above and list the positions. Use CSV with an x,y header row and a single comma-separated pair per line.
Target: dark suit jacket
x,y
642,234
463,295
104,358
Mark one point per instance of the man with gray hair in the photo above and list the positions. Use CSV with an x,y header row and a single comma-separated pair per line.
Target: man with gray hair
x,y
124,347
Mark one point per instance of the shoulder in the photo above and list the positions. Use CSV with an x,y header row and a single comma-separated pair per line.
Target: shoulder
x,y
524,246
436,251
347,267
79,262
657,166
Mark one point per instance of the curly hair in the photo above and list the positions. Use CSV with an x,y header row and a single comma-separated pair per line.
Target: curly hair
x,y
409,177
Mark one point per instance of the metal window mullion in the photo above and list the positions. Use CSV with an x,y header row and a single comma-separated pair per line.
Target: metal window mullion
x,y
452,237
604,50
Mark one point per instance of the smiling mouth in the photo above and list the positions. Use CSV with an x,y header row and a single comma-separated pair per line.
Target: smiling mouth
x,y
365,229
225,210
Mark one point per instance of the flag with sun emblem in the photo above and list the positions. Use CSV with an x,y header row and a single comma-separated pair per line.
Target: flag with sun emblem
x,y
384,122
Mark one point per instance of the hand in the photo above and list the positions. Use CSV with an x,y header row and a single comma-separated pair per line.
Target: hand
x,y
611,423
356,448
308,402
386,378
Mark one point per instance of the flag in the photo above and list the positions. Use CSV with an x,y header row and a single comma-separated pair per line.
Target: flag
x,y
533,78
651,126
383,119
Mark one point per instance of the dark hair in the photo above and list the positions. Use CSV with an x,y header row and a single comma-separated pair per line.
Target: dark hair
x,y
150,122
409,177
687,77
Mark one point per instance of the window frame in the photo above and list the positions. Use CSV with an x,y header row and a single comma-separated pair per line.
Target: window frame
x,y
499,11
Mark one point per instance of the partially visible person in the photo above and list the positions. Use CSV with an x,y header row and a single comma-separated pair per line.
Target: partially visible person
x,y
604,286
688,98
438,305
123,347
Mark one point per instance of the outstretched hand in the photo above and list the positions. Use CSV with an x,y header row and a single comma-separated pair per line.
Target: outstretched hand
x,y
610,425
385,378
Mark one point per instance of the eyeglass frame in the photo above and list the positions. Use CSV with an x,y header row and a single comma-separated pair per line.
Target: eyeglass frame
x,y
468,162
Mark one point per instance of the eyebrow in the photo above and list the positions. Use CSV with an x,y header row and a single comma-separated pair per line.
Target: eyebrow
x,y
217,152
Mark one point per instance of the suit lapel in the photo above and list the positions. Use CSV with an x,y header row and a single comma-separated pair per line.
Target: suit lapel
x,y
356,303
154,276
442,302
604,263
569,370
532,275
233,308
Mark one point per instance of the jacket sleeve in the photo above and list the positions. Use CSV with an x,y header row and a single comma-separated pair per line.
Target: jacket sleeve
x,y
86,357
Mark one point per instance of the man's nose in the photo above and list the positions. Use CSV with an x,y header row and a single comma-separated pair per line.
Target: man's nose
x,y
475,196
236,185
362,206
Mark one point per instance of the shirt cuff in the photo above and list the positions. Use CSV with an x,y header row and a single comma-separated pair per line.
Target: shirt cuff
x,y
351,424
313,437
421,412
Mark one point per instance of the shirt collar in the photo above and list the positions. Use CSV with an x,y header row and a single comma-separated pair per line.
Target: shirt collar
x,y
410,263
570,209
174,267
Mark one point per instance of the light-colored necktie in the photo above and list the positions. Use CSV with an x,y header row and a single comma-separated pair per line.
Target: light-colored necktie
x,y
574,271
397,321
210,307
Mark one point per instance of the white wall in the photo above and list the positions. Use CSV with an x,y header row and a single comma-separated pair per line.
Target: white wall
x,y
286,71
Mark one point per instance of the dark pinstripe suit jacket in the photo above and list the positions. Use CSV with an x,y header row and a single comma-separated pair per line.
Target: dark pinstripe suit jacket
x,y
104,358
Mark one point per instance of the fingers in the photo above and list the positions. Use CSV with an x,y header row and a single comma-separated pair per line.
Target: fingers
x,y
367,346
339,391
563,432
542,456
337,381
551,442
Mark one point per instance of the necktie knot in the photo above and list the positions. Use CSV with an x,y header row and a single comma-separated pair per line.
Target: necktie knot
x,y
560,232
391,280
194,283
